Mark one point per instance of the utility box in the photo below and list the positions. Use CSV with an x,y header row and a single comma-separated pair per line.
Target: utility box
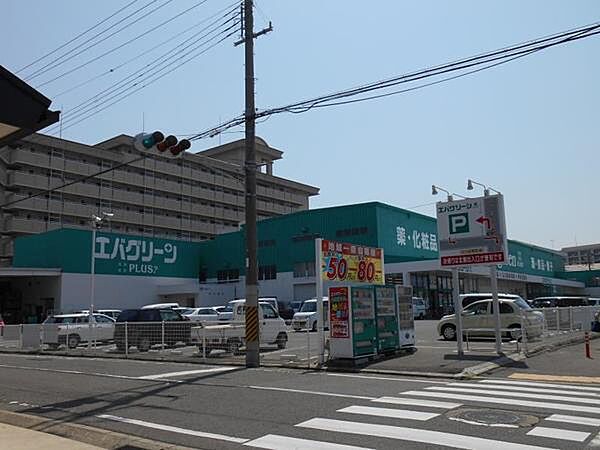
x,y
387,319
406,318
353,331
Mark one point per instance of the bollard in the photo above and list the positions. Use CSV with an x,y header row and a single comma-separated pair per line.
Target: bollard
x,y
588,349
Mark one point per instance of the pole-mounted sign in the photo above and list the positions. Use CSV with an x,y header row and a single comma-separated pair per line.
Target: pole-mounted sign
x,y
472,231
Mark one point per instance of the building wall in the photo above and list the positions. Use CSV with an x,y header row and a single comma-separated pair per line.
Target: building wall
x,y
191,198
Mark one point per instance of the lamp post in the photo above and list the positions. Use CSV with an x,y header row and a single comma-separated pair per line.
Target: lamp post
x,y
96,224
493,275
455,288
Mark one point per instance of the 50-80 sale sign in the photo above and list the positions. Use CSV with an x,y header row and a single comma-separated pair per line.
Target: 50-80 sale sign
x,y
352,263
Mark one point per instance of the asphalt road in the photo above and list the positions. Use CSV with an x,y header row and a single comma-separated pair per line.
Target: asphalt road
x,y
219,407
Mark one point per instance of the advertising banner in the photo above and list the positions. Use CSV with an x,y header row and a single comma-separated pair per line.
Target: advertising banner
x,y
351,262
339,312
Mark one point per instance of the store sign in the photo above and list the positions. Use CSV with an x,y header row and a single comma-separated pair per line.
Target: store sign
x,y
339,312
472,231
135,255
351,262
418,239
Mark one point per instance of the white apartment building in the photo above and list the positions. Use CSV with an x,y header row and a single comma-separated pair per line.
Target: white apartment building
x,y
192,198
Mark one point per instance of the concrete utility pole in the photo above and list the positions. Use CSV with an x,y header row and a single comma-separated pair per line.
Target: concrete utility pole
x,y
252,322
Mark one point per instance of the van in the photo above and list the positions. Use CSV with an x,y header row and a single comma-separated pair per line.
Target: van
x,y
306,318
559,302
161,306
419,308
467,299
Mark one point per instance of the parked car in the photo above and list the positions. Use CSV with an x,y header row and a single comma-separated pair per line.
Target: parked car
x,y
145,328
419,308
479,317
75,328
225,310
206,314
296,305
285,310
306,318
270,300
559,302
161,306
231,336
112,313
467,299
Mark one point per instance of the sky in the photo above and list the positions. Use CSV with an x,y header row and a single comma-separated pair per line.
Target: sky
x,y
528,128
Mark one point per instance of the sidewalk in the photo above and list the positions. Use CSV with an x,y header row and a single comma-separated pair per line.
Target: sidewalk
x,y
25,439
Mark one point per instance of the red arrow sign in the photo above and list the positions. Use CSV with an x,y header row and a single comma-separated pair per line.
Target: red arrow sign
x,y
485,220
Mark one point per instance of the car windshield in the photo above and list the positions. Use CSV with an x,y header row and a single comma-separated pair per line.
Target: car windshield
x,y
309,307
522,303
70,319
186,311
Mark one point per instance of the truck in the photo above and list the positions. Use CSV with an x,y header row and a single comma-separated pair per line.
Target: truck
x,y
231,336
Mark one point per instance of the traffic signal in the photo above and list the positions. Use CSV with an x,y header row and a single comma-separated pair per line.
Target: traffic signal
x,y
167,147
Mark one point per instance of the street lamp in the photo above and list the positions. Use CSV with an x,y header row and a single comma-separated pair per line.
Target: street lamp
x,y
435,189
96,224
486,189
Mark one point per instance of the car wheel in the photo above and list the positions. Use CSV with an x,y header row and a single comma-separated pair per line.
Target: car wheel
x,y
281,341
515,333
143,344
73,340
449,332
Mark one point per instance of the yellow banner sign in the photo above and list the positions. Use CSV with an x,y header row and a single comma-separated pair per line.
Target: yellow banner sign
x,y
352,263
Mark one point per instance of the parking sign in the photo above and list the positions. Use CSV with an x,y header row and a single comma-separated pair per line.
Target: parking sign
x,y
472,231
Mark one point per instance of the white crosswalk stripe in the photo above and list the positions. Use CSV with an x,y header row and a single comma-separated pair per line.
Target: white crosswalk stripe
x,y
276,442
536,384
559,433
388,412
574,419
528,389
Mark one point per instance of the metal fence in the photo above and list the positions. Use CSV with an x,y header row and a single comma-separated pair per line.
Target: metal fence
x,y
187,341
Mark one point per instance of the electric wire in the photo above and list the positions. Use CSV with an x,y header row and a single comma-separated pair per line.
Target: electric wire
x,y
120,46
83,33
140,55
57,62
489,59
165,61
153,80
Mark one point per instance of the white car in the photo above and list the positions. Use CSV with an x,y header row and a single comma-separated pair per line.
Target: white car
x,y
206,314
306,318
112,313
72,329
419,308
161,306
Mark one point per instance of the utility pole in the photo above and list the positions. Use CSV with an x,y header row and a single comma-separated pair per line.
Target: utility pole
x,y
252,322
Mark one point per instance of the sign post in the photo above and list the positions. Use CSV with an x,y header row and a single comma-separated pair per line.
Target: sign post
x,y
319,296
473,232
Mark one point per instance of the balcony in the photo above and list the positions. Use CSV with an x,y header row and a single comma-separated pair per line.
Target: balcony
x,y
24,156
21,225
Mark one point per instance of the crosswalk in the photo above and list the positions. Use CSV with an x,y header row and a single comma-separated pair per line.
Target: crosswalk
x,y
564,417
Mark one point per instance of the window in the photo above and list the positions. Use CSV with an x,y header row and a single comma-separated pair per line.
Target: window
x,y
267,272
207,311
268,311
102,319
477,309
304,269
169,315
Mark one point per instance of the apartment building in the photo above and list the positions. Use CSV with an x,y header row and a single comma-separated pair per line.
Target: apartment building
x,y
587,255
192,198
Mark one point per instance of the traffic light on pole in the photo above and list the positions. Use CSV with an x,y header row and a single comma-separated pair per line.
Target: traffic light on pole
x,y
167,147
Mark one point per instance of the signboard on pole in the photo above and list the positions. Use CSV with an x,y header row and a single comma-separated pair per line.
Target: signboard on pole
x,y
472,231
351,262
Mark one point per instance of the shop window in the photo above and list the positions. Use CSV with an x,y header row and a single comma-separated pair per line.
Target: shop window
x,y
227,275
267,272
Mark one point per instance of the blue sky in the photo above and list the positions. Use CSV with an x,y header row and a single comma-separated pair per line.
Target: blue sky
x,y
528,128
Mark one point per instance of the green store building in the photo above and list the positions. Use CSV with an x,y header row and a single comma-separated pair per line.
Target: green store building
x,y
52,271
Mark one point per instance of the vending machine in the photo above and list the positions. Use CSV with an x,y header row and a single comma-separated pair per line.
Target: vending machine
x,y
387,319
406,319
353,331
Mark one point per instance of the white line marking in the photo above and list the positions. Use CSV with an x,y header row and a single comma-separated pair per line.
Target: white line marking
x,y
559,433
534,384
574,419
367,377
158,426
506,401
416,402
186,372
559,398
414,435
275,442
527,389
300,391
389,412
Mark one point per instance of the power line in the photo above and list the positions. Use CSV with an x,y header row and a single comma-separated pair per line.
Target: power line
x,y
144,53
151,68
53,64
76,37
488,59
124,44
155,79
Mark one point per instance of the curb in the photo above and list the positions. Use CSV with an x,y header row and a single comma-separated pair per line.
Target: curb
x,y
85,433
